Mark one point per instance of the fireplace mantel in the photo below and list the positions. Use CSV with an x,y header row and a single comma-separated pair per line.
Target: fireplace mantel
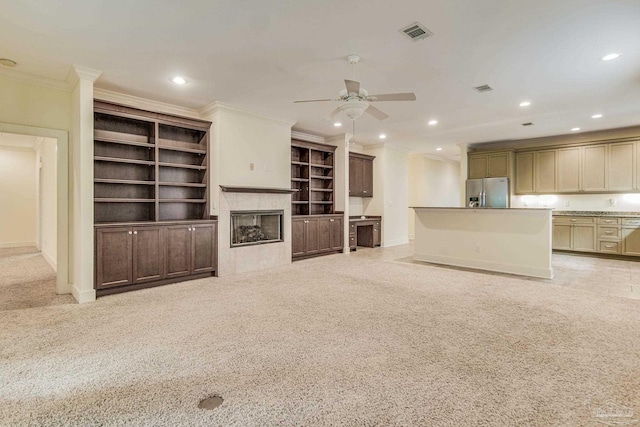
x,y
233,189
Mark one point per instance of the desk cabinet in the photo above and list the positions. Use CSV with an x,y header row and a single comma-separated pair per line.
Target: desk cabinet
x,y
360,175
365,232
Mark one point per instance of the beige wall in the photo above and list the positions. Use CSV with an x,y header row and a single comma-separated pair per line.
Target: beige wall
x,y
432,182
580,202
47,199
18,195
32,105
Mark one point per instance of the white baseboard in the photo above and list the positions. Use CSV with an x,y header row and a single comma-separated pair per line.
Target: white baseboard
x,y
17,244
52,262
395,242
83,296
487,265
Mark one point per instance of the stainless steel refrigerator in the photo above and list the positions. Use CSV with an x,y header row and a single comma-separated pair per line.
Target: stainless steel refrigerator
x,y
488,193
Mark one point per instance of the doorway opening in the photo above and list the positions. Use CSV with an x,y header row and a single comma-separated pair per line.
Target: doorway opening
x,y
34,237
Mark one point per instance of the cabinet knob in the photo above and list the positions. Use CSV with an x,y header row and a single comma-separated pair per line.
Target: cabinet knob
x,y
135,232
189,229
130,232
331,220
364,191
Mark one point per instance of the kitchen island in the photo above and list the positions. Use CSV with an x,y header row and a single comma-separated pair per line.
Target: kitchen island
x,y
509,240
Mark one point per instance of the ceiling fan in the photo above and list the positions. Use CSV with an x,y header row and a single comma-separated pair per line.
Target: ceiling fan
x,y
356,100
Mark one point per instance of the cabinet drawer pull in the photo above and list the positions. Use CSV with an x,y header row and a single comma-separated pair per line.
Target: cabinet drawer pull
x,y
306,222
608,232
331,220
608,220
573,220
608,246
364,191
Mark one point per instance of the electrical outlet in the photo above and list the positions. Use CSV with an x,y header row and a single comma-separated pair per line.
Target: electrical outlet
x,y
567,203
613,202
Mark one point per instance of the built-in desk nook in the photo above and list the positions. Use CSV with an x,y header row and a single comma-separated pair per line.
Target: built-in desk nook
x,y
364,231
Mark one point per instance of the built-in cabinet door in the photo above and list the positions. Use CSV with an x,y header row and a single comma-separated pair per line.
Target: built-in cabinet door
x,y
324,234
477,167
622,166
367,178
355,188
114,257
569,169
178,250
584,237
524,173
631,241
337,234
498,165
376,233
312,240
298,236
546,163
594,168
203,248
148,254
562,236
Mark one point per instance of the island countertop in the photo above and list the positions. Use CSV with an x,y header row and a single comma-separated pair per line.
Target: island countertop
x,y
480,209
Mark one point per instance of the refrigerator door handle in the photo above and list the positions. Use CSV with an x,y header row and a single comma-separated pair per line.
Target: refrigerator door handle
x,y
484,199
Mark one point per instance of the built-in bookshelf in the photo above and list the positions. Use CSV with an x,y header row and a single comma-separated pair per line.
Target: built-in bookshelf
x,y
312,175
149,167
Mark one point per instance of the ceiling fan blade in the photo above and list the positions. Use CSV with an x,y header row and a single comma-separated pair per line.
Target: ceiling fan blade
x,y
352,86
393,97
316,100
380,115
334,113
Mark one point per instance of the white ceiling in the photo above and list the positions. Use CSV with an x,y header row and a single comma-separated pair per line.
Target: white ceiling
x,y
264,54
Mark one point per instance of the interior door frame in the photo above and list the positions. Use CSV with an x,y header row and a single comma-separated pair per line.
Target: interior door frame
x,y
63,285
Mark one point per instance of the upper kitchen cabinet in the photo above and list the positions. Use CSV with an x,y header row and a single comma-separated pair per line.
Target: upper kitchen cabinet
x,y
546,166
360,175
525,173
594,168
622,166
568,170
489,165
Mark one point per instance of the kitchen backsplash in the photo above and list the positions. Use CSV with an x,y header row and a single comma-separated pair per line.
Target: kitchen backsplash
x,y
580,202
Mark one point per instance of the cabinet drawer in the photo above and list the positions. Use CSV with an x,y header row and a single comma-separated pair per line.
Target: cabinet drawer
x,y
609,247
352,228
630,222
352,240
608,221
574,220
606,232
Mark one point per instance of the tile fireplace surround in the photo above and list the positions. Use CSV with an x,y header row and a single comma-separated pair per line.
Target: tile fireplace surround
x,y
239,259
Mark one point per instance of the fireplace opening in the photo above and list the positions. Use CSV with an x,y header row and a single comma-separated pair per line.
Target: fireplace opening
x,y
256,227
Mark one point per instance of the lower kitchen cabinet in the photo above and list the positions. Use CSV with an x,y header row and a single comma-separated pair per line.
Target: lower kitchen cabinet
x,y
132,257
604,234
574,234
316,235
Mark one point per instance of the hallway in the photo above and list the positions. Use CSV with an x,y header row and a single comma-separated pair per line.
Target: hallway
x,y
27,280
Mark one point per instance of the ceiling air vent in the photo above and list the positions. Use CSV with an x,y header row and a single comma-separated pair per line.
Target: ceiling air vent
x,y
483,88
416,31
527,124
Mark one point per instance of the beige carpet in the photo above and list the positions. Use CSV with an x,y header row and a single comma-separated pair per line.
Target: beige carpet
x,y
27,280
342,340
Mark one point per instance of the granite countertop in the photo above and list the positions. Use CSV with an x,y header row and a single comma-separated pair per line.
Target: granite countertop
x,y
597,213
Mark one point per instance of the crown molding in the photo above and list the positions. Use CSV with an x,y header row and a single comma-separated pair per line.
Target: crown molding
x,y
143,103
215,107
78,72
434,157
302,136
33,79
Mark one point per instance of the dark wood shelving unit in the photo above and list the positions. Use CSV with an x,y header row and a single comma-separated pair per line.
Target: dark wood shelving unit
x,y
151,199
312,176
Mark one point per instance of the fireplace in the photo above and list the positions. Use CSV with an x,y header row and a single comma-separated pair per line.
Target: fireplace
x,y
256,227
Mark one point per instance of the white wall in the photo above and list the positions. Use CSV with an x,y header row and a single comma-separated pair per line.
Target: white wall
x,y
46,155
18,197
580,202
432,182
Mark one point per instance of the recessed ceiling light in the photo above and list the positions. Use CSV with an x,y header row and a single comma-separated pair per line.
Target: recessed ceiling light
x,y
337,124
525,103
383,136
596,116
433,122
8,62
178,80
439,149
610,56
575,129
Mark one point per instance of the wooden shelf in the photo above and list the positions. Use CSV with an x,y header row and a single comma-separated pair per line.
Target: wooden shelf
x,y
293,162
121,160
320,166
326,190
181,166
300,179
121,138
301,202
321,177
164,146
183,184
320,203
182,200
123,200
123,181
